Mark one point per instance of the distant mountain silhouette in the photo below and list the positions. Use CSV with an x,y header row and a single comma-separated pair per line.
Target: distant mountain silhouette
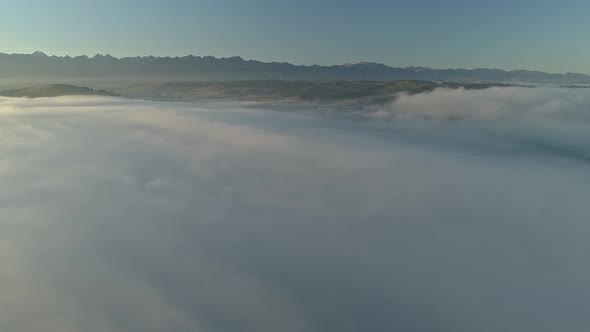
x,y
40,65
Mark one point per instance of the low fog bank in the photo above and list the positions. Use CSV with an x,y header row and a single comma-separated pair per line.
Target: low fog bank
x,y
123,215
510,103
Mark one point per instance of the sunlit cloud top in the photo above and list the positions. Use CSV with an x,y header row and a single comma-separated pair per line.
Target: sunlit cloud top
x,y
138,216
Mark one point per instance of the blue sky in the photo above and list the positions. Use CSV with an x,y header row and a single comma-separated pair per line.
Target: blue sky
x,y
540,35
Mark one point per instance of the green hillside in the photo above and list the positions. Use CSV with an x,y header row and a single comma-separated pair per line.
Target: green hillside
x,y
54,90
276,90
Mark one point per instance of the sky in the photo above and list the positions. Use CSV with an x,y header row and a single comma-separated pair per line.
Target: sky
x,y
537,35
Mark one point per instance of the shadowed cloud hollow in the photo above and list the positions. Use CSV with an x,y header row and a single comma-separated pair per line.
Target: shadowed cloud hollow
x,y
122,215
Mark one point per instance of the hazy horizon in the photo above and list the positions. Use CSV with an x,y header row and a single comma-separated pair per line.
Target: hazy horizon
x,y
533,35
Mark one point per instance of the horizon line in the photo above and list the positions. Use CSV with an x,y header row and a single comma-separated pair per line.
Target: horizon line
x,y
98,54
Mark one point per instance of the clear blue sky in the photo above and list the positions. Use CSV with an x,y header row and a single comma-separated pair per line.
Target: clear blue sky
x,y
529,34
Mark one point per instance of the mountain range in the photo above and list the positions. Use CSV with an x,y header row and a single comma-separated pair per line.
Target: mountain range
x,y
197,68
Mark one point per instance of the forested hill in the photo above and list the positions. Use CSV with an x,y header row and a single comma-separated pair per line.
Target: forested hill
x,y
54,90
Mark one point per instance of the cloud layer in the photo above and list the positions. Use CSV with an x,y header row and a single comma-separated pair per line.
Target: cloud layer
x,y
122,215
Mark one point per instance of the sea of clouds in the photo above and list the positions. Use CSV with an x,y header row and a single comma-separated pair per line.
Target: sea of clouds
x,y
452,210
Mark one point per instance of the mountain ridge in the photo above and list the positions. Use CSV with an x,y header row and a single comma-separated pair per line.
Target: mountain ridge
x,y
39,64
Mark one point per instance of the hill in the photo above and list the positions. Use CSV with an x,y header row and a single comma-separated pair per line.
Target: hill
x,y
345,94
367,92
54,90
